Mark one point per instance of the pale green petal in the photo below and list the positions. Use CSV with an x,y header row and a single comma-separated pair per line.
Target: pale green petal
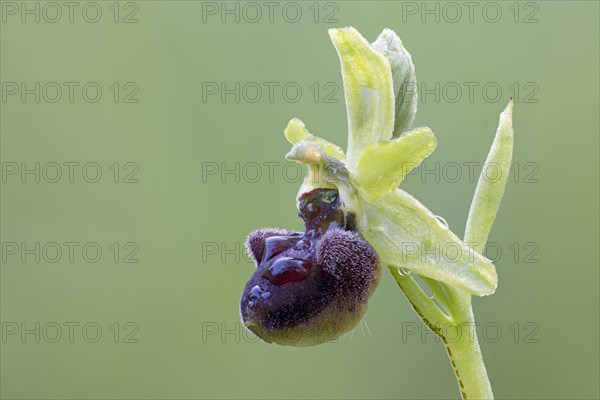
x,y
368,89
381,166
406,234
403,74
295,131
492,183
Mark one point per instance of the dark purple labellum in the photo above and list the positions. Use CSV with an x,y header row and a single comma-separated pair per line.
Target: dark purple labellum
x,y
311,287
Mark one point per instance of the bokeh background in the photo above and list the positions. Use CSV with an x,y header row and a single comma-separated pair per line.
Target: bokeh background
x,y
170,219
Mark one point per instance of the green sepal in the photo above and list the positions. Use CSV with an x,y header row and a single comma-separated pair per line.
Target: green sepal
x,y
368,91
406,234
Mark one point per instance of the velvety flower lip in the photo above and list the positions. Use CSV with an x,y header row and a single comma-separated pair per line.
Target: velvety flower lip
x,y
309,287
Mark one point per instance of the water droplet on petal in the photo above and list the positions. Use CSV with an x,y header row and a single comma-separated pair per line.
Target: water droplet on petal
x,y
442,221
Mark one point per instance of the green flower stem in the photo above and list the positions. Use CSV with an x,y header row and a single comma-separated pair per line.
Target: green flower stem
x,y
456,330
464,351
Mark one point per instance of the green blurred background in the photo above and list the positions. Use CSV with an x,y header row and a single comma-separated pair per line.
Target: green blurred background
x,y
170,323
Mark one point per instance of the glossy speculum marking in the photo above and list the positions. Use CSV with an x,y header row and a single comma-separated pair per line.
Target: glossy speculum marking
x,y
309,287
